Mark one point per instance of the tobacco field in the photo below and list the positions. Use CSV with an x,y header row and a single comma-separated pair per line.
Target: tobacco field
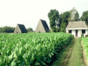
x,y
32,49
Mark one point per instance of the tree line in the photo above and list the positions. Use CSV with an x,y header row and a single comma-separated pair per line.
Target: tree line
x,y
8,29
65,18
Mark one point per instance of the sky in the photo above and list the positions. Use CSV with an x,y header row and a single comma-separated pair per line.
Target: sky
x,y
29,12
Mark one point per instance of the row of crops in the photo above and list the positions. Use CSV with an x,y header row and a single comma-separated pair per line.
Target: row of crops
x,y
31,49
85,47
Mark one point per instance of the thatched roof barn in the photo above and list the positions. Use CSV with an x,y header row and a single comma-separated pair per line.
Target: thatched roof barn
x,y
20,28
77,28
77,25
42,27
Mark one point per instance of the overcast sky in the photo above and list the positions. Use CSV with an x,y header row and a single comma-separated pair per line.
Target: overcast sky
x,y
28,12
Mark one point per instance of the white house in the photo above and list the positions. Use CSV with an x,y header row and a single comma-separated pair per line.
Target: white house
x,y
77,28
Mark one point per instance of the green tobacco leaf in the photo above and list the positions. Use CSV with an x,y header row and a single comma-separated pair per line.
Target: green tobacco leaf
x,y
42,63
44,58
37,63
48,60
50,55
10,57
22,64
15,55
41,46
13,63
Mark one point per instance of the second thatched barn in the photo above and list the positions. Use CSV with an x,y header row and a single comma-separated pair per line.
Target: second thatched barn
x,y
42,27
20,28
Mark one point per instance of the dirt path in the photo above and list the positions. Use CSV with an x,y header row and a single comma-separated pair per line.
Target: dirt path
x,y
76,58
72,55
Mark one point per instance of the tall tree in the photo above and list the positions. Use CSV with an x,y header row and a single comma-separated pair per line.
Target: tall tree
x,y
74,15
53,15
84,17
76,18
64,20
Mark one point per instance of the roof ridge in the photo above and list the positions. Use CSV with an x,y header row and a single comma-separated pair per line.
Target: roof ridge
x,y
76,21
77,24
20,24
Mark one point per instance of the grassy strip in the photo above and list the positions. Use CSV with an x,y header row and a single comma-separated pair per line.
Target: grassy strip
x,y
84,56
63,56
76,58
71,56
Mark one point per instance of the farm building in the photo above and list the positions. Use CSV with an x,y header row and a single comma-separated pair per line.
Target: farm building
x,y
20,28
77,28
42,27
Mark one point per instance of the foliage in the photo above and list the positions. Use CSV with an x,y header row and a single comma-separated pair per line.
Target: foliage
x,y
84,17
64,20
53,15
6,29
68,16
63,27
76,18
58,29
29,30
74,15
34,49
85,46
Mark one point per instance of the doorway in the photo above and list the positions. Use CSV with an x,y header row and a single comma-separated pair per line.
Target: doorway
x,y
76,33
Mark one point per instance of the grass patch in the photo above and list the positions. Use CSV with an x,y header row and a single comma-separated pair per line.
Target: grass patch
x,y
76,58
71,55
62,56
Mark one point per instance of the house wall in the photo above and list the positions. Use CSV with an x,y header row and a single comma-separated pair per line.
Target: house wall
x,y
73,33
86,32
66,31
79,32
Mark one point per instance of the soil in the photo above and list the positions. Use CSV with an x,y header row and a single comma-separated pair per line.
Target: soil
x,y
67,58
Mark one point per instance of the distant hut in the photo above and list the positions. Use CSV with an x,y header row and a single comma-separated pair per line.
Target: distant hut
x,y
20,29
77,28
42,27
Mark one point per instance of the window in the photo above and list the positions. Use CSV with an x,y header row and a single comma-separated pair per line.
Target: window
x,y
39,32
70,31
83,31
